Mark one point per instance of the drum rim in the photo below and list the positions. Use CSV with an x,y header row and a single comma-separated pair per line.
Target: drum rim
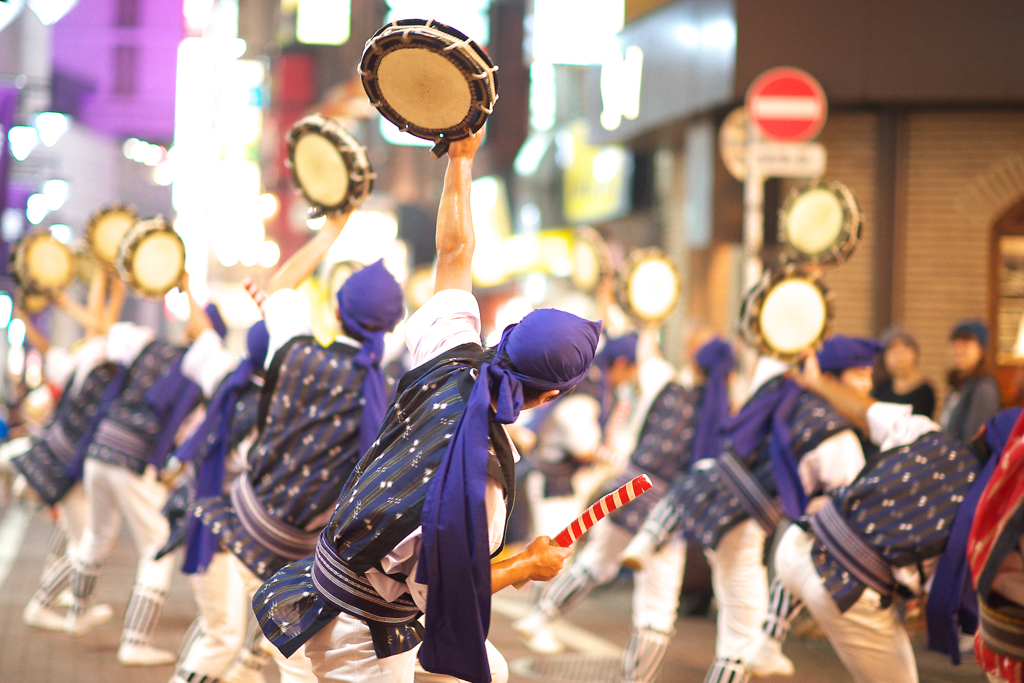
x,y
850,232
90,228
482,90
601,249
750,310
20,294
635,258
127,248
17,260
360,173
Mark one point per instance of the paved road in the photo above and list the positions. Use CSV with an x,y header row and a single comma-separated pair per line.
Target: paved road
x,y
598,629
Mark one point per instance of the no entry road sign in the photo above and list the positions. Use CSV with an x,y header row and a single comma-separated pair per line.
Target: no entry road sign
x,y
786,105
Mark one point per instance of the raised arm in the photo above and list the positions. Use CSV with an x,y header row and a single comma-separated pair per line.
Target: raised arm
x,y
303,262
118,290
198,321
95,302
78,313
455,239
35,337
852,405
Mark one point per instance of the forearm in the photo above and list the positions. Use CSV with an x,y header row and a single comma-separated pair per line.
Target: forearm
x,y
455,239
118,292
78,313
97,297
509,572
852,406
303,262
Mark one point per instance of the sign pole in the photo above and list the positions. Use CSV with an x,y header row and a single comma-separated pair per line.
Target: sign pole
x,y
753,214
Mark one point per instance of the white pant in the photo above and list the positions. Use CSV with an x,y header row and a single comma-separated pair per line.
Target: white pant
x,y
655,587
294,669
223,617
740,582
549,514
115,493
72,513
343,651
871,642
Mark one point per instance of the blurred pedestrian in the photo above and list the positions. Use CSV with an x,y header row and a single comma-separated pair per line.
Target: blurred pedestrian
x,y
974,396
902,381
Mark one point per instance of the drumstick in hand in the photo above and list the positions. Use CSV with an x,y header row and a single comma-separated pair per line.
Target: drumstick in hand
x,y
593,514
257,295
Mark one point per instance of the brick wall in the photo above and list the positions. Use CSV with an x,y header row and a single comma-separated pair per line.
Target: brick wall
x,y
963,173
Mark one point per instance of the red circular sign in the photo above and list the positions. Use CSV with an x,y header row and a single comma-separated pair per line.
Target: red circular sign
x,y
787,105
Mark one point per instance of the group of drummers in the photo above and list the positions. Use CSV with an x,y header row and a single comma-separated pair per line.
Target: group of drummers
x,y
349,528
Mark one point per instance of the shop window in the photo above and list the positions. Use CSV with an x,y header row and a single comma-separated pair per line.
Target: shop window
x,y
125,69
1008,303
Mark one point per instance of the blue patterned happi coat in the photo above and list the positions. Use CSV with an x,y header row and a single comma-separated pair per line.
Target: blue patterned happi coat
x,y
180,502
902,506
129,432
49,463
383,501
663,450
707,505
307,446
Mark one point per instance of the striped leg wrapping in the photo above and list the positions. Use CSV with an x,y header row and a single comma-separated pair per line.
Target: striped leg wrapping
x,y
143,613
56,546
566,591
662,521
83,583
783,608
727,671
55,579
192,677
642,659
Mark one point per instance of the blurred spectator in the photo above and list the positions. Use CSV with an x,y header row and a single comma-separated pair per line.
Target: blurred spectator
x,y
975,392
901,380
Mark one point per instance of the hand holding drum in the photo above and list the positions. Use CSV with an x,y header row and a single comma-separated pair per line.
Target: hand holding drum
x,y
430,80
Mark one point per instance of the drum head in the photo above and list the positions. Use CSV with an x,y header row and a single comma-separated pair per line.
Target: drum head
x,y
321,170
152,257
49,263
159,259
425,88
590,259
820,223
650,288
106,230
793,316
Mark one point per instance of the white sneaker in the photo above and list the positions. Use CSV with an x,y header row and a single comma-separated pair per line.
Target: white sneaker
x,y
764,658
144,655
39,616
95,615
638,551
537,635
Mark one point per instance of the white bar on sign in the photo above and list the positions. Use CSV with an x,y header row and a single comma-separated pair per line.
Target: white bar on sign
x,y
787,108
790,159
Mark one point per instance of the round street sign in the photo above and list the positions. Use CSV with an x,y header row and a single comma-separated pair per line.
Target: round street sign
x,y
786,105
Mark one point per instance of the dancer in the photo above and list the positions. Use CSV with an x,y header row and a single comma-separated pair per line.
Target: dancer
x,y
885,529
425,509
131,445
680,427
214,454
784,445
321,409
52,466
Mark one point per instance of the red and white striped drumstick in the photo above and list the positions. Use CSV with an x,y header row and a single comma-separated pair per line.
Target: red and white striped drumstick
x,y
614,500
257,295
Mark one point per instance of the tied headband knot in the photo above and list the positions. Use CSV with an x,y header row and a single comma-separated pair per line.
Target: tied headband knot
x,y
716,361
370,305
